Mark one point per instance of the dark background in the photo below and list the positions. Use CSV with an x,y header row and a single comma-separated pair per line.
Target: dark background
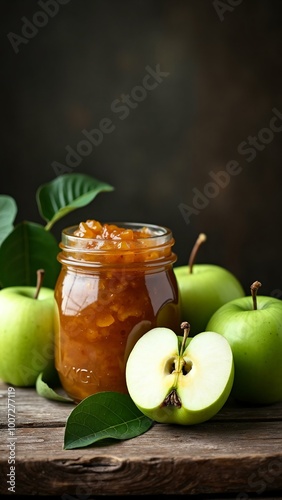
x,y
224,80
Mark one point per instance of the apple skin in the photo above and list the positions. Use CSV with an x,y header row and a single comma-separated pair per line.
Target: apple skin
x,y
203,291
255,337
202,391
26,334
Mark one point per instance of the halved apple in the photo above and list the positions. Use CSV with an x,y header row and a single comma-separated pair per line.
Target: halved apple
x,y
178,382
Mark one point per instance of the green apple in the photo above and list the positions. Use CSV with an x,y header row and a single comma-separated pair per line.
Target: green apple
x,y
27,318
176,382
253,327
203,288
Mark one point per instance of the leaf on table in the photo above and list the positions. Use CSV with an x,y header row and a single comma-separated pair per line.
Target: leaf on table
x,y
43,389
105,415
28,247
8,212
66,193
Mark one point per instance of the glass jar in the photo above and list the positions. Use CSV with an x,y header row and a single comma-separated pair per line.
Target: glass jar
x,y
108,294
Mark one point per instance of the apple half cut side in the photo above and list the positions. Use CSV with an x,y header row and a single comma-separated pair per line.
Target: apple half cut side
x,y
183,388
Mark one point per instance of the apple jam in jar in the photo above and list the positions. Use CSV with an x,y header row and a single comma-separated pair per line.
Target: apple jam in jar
x,y
116,283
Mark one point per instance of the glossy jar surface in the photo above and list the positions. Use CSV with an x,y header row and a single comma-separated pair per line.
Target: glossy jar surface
x,y
108,294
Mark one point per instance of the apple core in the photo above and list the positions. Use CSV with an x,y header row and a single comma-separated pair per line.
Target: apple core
x,y
184,381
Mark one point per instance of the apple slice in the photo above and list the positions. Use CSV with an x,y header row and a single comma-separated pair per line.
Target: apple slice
x,y
182,384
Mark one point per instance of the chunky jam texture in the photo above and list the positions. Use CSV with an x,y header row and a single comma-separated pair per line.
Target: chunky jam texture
x,y
95,230
102,311
124,245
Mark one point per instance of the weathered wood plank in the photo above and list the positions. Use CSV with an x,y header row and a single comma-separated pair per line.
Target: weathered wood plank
x,y
141,478
209,440
33,410
213,457
238,451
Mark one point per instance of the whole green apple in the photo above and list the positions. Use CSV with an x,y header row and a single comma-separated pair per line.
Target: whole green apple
x,y
203,288
253,327
26,333
180,381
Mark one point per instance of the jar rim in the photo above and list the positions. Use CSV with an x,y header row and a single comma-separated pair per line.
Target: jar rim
x,y
160,235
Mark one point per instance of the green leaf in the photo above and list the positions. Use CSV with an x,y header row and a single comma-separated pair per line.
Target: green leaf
x,y
43,389
26,249
67,193
8,212
102,416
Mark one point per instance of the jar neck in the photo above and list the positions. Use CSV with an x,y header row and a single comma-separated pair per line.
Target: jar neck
x,y
154,250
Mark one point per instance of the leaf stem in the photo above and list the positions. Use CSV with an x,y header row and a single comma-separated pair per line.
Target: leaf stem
x,y
254,290
40,275
201,239
49,225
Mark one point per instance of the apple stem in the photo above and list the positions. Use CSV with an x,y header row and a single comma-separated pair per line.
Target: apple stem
x,y
254,290
201,239
40,275
186,327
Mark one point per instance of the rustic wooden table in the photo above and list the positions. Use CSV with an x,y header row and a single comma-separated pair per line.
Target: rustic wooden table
x,y
237,454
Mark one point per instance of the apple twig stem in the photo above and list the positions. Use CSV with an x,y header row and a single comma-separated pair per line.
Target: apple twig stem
x,y
254,290
186,327
201,239
40,276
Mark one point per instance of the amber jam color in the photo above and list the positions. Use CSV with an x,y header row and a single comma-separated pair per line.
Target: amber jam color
x,y
116,283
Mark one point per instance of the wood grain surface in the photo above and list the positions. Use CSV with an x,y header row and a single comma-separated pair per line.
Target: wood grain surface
x,y
238,454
